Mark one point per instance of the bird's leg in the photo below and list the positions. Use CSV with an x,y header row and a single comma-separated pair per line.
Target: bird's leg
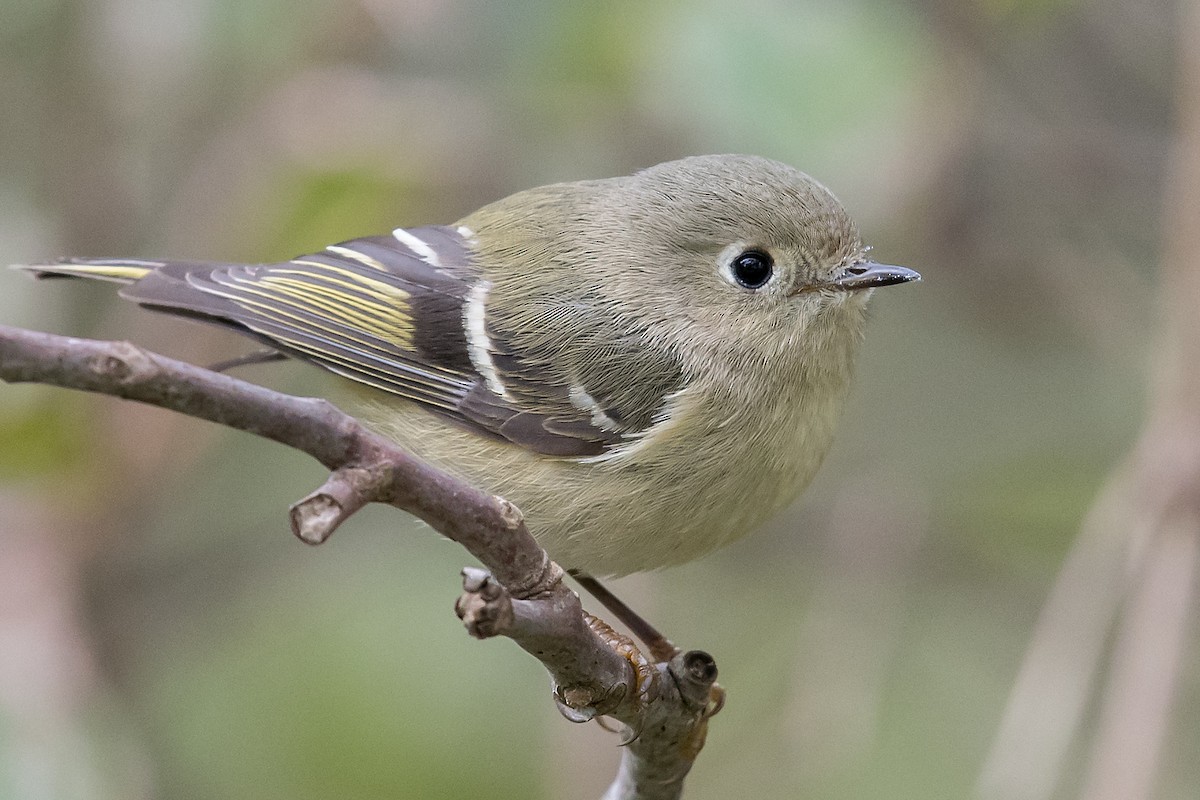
x,y
659,646
257,357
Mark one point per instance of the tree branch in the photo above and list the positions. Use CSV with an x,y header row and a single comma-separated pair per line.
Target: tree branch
x,y
664,706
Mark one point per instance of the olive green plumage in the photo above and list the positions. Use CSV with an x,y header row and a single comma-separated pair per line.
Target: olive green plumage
x,y
648,366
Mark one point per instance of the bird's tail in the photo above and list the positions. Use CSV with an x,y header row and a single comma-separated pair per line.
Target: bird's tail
x,y
121,270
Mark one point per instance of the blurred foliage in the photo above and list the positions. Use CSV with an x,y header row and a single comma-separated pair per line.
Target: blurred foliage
x,y
1012,150
319,206
50,437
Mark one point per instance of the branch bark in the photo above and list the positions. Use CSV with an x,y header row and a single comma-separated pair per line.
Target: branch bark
x,y
596,672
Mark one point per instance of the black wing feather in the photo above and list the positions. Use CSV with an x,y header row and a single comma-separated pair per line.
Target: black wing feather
x,y
389,312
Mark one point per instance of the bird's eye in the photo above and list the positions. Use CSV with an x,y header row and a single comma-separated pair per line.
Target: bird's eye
x,y
751,269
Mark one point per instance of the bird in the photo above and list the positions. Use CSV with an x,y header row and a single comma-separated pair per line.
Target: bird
x,y
648,366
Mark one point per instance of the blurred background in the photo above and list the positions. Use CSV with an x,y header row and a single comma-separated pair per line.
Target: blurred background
x,y
940,617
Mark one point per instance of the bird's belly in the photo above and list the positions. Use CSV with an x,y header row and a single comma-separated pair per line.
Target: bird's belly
x,y
639,518
675,502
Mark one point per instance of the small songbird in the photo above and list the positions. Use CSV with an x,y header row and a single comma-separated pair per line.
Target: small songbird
x,y
648,366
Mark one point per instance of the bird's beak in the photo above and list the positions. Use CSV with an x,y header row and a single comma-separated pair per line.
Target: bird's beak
x,y
868,275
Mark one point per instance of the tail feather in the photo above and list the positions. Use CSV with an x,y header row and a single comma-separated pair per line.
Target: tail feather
x,y
121,270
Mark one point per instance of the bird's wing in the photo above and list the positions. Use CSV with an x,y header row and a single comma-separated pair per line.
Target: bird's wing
x,y
408,314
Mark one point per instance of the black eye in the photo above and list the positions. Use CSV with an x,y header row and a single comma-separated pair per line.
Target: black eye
x,y
751,269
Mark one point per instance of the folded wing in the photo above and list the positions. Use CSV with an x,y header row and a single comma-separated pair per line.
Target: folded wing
x,y
407,314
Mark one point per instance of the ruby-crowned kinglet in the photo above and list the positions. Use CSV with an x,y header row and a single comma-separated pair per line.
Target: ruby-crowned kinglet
x,y
648,366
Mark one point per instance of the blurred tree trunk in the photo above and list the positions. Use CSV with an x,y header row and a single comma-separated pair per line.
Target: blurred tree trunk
x,y
1133,570
1136,709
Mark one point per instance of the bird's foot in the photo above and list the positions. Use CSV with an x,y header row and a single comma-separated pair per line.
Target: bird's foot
x,y
644,670
658,646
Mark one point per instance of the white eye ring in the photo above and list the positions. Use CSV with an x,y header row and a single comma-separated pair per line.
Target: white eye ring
x,y
747,267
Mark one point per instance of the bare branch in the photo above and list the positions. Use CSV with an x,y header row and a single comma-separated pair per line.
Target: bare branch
x,y
367,468
664,706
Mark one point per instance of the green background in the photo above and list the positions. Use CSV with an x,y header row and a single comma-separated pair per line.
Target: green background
x,y
161,634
